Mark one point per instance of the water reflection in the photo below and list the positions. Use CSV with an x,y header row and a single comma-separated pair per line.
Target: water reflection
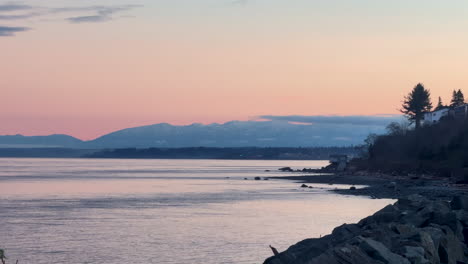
x,y
170,211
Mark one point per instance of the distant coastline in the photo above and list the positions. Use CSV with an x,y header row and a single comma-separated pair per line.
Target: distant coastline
x,y
242,153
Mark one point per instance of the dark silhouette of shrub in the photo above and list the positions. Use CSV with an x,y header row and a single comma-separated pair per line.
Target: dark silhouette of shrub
x,y
438,148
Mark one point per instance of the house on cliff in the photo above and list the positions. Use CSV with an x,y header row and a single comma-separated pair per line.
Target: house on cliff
x,y
459,112
434,117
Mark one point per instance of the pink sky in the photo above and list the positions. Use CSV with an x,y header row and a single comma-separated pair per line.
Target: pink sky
x,y
93,78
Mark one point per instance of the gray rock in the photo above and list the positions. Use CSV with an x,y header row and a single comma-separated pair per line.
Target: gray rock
x,y
414,230
387,215
404,230
415,255
449,219
412,202
344,255
425,240
462,216
380,252
345,232
418,220
451,250
459,203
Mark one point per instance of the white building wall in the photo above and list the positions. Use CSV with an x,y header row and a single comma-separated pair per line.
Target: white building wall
x,y
434,117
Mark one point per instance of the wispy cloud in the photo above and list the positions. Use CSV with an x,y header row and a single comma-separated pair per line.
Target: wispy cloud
x,y
20,12
101,13
239,2
9,7
11,11
89,19
11,31
18,16
358,120
90,13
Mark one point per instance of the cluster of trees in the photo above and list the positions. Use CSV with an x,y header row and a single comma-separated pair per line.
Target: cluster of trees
x,y
418,102
458,99
437,149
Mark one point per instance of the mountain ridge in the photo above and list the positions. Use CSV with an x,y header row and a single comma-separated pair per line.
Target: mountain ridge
x,y
54,140
272,133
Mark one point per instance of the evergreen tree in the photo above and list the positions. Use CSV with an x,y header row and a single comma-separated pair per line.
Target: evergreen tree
x,y
457,98
416,104
454,98
440,105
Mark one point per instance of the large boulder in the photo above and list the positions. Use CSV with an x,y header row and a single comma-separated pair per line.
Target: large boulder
x,y
345,232
412,202
286,169
344,255
414,230
380,252
416,255
459,203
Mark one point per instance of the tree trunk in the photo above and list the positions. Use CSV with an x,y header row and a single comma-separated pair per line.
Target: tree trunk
x,y
418,122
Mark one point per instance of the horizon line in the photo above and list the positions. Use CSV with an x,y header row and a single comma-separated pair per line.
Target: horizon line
x,y
261,118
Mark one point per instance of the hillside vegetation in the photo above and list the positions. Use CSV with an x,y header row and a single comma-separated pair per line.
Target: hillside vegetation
x,y
249,153
439,149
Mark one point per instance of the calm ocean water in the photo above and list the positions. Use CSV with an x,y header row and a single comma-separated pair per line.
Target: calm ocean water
x,y
161,211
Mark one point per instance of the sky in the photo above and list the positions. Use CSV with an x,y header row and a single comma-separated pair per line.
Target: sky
x,y
86,68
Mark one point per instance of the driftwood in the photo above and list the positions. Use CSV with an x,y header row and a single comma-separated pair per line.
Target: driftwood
x,y
275,251
3,257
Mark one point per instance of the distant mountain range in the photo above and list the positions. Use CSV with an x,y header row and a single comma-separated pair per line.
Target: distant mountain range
x,y
52,141
276,133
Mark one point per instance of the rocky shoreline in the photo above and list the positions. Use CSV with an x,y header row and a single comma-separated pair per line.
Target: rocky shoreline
x,y
416,229
383,186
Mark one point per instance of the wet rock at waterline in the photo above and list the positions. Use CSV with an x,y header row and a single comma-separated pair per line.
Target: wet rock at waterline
x,y
414,230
